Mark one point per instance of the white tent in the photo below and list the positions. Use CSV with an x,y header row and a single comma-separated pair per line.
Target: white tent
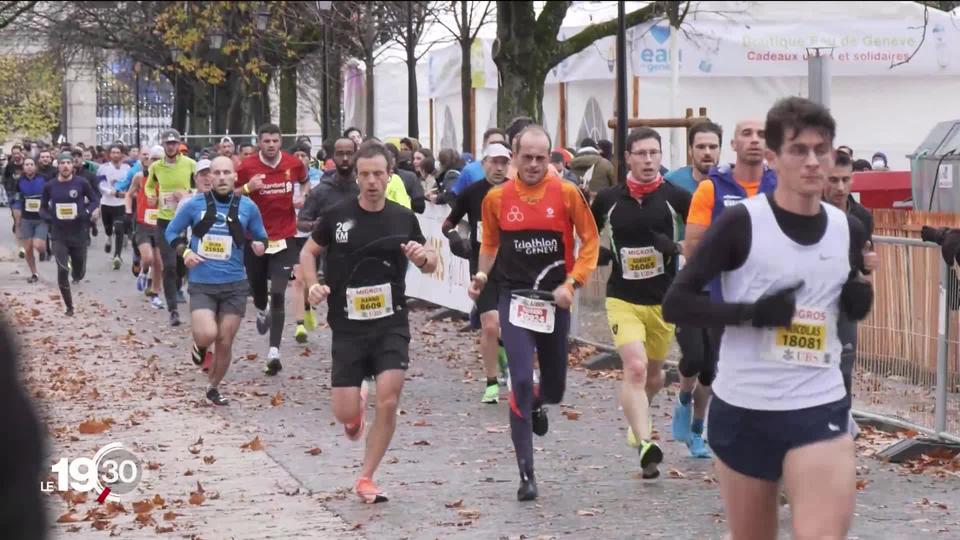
x,y
736,59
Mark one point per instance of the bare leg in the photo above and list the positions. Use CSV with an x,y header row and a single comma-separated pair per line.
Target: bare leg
x,y
633,391
490,333
229,324
346,404
750,504
31,261
820,480
389,384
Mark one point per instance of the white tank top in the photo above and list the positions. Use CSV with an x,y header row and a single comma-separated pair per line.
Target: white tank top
x,y
779,369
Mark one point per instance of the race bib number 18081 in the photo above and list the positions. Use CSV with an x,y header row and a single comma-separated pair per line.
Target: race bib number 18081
x,y
804,342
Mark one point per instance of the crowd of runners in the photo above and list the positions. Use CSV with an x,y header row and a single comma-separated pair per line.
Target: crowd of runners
x,y
758,268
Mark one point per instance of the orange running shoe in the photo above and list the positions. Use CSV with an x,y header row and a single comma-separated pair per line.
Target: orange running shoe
x,y
368,491
355,430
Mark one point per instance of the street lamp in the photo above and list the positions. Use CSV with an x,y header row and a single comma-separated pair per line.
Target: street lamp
x,y
216,38
175,53
263,16
136,69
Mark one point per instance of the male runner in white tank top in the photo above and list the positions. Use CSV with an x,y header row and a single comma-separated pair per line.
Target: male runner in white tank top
x,y
789,265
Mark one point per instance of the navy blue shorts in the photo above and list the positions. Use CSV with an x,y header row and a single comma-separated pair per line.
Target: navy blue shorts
x,y
754,443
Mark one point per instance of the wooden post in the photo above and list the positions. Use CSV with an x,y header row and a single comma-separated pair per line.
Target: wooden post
x,y
636,96
686,132
562,136
473,120
431,124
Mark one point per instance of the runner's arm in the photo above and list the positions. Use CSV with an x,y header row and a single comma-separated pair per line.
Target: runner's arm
x,y
307,218
255,224
699,216
586,229
457,211
93,199
128,197
180,222
725,248
308,262
45,212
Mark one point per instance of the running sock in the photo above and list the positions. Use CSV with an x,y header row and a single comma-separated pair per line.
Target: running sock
x,y
492,381
211,387
685,397
697,426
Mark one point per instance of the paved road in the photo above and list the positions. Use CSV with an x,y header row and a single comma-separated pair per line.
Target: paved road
x,y
450,470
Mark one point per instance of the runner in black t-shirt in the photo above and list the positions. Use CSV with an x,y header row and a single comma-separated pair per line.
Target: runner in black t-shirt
x,y
369,243
496,164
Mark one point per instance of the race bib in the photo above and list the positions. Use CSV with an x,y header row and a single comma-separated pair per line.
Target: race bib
x,y
150,216
367,303
216,247
66,211
169,200
276,246
32,205
804,343
641,262
532,314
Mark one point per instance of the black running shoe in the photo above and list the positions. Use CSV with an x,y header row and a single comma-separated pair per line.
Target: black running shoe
x,y
540,423
273,367
650,457
528,488
214,395
33,279
107,247
174,318
195,355
69,312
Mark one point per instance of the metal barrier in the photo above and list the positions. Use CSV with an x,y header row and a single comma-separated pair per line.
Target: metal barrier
x,y
908,356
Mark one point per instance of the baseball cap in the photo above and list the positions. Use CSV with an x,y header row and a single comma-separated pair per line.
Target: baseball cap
x,y
496,149
65,156
156,152
203,165
170,135
226,139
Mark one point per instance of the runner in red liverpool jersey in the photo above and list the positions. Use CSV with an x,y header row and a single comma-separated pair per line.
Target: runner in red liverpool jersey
x,y
268,178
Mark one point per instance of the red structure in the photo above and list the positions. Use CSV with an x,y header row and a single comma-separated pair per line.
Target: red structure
x,y
883,189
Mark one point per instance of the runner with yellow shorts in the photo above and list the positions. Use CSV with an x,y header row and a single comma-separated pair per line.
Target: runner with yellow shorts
x,y
645,216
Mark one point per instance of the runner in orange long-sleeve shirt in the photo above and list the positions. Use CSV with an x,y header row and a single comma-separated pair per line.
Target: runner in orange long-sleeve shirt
x,y
528,228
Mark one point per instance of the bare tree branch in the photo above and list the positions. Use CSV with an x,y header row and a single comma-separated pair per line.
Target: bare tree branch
x,y
923,37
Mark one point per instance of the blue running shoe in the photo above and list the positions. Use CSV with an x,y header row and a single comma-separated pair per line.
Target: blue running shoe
x,y
698,448
142,282
682,416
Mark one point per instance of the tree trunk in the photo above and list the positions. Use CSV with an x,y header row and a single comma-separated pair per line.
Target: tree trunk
x,y
235,117
333,85
182,100
370,103
413,116
466,78
288,103
522,65
413,112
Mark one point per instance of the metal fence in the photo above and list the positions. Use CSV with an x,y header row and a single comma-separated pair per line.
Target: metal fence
x,y
128,100
908,356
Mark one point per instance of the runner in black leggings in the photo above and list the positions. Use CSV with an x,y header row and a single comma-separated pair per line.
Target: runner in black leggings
x,y
528,227
67,203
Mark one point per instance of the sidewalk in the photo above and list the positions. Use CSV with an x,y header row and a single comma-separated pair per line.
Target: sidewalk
x,y
101,366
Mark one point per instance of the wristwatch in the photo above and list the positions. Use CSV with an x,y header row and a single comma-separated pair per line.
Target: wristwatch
x,y
573,283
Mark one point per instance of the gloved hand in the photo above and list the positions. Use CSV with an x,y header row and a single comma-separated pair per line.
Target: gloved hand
x,y
664,244
605,257
856,298
776,309
459,245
